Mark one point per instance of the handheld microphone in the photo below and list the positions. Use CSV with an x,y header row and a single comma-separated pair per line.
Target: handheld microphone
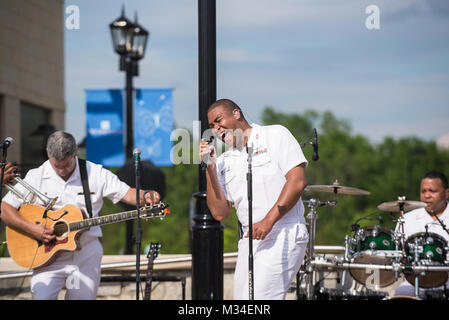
x,y
206,156
315,155
6,143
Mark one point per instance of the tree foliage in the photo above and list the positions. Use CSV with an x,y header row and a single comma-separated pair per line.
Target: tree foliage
x,y
388,169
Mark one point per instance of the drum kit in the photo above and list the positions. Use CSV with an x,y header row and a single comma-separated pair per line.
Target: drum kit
x,y
374,255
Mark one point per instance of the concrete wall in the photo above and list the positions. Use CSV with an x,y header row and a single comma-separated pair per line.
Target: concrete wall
x,y
170,265
31,63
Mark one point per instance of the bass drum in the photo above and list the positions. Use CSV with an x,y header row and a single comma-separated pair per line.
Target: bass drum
x,y
374,245
431,249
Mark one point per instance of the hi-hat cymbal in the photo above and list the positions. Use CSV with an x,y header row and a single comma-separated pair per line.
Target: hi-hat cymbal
x,y
395,206
337,189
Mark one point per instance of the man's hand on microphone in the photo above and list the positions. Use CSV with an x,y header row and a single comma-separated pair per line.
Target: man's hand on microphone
x,y
207,153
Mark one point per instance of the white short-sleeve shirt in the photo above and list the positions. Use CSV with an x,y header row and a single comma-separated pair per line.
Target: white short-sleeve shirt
x,y
102,183
416,221
275,152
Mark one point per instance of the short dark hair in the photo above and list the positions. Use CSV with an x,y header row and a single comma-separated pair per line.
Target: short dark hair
x,y
228,104
437,175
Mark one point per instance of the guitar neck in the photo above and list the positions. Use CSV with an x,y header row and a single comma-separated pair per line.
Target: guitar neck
x,y
107,219
149,280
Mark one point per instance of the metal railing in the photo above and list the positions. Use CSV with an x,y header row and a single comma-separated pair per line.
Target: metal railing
x,y
105,266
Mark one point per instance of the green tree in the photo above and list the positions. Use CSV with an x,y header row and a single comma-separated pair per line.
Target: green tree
x,y
390,169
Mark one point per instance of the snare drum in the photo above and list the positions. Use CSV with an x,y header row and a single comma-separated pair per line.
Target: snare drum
x,y
373,245
427,249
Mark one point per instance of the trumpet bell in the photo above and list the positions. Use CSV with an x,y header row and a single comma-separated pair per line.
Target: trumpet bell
x,y
29,197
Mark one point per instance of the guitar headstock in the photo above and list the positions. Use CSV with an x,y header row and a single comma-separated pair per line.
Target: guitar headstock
x,y
154,250
159,210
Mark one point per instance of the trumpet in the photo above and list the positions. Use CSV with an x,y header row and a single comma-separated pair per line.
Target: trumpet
x,y
30,196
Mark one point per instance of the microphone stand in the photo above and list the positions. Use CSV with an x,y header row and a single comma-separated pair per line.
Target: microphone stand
x,y
249,178
139,227
314,143
2,164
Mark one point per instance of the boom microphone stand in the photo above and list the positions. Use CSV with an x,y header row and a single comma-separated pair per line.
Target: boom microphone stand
x,y
249,179
3,164
308,268
4,145
136,154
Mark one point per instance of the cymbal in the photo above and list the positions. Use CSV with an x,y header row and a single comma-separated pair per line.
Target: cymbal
x,y
337,189
395,206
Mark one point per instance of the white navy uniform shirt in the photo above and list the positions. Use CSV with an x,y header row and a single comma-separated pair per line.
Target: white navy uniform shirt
x,y
102,183
416,220
275,152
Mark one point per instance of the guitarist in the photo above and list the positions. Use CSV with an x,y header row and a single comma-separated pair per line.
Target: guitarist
x,y
60,177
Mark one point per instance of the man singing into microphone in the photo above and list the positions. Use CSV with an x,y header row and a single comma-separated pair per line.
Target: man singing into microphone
x,y
278,168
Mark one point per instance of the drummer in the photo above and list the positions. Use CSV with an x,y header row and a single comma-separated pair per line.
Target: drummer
x,y
434,192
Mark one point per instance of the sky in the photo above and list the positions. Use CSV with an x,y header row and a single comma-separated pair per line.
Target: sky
x,y
387,76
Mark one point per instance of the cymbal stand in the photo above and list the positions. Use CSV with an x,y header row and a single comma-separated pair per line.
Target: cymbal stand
x,y
401,222
312,216
400,235
345,258
417,249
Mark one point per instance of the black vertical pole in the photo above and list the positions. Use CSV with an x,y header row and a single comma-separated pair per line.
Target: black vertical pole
x,y
207,233
129,142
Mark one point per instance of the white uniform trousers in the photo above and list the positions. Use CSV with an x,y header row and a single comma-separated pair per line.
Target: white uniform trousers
x,y
79,271
277,260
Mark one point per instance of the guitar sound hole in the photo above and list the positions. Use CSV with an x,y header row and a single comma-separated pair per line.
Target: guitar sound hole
x,y
60,228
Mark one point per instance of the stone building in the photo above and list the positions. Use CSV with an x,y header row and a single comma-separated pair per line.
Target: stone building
x,y
31,76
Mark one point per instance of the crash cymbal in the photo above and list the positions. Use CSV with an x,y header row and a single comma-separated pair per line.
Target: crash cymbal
x,y
337,189
395,206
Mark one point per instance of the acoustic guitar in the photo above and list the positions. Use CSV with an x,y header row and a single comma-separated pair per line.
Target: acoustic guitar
x,y
68,223
152,255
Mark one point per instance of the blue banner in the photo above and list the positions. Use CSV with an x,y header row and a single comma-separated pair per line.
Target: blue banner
x,y
104,142
153,124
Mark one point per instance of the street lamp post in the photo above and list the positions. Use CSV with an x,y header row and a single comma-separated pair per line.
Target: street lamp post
x,y
207,233
129,40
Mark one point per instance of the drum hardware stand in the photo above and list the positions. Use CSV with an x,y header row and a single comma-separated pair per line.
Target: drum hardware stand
x,y
399,239
345,259
312,216
401,222
416,251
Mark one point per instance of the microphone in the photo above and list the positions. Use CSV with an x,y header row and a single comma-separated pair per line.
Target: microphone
x,y
5,144
315,155
136,154
381,219
206,156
